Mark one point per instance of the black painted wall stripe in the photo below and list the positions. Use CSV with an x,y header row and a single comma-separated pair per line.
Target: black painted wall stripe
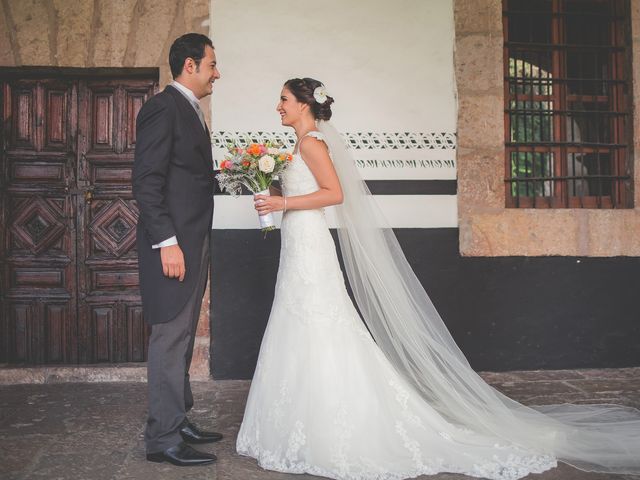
x,y
505,313
413,187
404,187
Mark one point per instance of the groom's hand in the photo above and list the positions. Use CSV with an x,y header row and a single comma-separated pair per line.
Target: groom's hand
x,y
173,262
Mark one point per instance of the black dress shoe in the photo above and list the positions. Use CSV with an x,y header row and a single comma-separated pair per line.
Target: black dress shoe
x,y
182,455
192,434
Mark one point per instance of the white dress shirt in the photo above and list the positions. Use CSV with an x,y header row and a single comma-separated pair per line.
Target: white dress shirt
x,y
193,100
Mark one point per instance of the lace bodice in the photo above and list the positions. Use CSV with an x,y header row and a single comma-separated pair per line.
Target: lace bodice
x,y
297,179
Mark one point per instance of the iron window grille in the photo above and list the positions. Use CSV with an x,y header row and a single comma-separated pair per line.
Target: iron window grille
x,y
568,127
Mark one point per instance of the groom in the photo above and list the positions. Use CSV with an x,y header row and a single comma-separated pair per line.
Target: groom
x,y
173,186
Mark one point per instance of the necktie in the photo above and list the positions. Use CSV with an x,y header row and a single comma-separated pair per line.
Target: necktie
x,y
200,115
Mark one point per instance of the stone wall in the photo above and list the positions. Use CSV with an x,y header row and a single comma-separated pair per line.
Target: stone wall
x,y
105,33
97,33
487,228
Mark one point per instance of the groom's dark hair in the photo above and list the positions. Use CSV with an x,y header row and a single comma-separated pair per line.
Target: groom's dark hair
x,y
189,45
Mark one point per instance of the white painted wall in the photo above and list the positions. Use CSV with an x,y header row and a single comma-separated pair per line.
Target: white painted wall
x,y
388,64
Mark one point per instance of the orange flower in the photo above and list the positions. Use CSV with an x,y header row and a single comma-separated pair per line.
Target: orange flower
x,y
246,164
254,149
289,157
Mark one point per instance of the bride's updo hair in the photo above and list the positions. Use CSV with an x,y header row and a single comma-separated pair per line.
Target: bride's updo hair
x,y
302,89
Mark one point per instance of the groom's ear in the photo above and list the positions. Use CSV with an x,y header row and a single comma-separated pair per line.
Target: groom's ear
x,y
189,65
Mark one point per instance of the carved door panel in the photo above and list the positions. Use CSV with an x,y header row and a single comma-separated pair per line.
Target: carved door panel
x,y
111,327
68,265
38,248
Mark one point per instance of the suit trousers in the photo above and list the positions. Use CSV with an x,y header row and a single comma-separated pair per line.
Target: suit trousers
x,y
169,358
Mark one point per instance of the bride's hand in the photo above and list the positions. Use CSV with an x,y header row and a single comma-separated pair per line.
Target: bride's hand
x,y
265,204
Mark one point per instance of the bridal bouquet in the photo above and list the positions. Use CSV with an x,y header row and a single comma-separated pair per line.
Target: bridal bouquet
x,y
255,167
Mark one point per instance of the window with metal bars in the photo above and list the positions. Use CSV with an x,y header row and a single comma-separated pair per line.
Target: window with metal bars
x,y
568,129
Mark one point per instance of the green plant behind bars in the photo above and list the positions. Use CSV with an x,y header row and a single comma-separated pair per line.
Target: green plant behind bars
x,y
531,120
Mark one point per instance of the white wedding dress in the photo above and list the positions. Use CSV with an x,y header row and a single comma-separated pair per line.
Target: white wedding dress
x,y
325,400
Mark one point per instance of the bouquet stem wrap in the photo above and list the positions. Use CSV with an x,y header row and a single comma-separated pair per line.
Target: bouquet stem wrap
x,y
267,222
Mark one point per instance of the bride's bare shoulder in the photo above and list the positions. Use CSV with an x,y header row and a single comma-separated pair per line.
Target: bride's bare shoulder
x,y
313,145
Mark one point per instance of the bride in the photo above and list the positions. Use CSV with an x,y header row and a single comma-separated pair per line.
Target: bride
x,y
394,398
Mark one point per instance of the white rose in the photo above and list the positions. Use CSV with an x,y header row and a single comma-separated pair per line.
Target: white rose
x,y
266,164
273,151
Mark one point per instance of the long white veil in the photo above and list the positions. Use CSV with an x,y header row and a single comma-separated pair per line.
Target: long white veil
x,y
410,332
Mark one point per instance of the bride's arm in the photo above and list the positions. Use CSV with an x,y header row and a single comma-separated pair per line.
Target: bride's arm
x,y
316,156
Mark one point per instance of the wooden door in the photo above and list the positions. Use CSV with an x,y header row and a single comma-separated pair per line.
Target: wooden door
x,y
69,282
39,295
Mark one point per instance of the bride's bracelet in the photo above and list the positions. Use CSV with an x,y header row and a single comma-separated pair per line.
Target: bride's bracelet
x,y
285,204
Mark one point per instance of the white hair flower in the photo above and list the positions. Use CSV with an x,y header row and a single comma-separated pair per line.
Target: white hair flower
x,y
320,94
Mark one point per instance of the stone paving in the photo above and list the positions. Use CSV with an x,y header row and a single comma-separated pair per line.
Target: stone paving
x,y
93,431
